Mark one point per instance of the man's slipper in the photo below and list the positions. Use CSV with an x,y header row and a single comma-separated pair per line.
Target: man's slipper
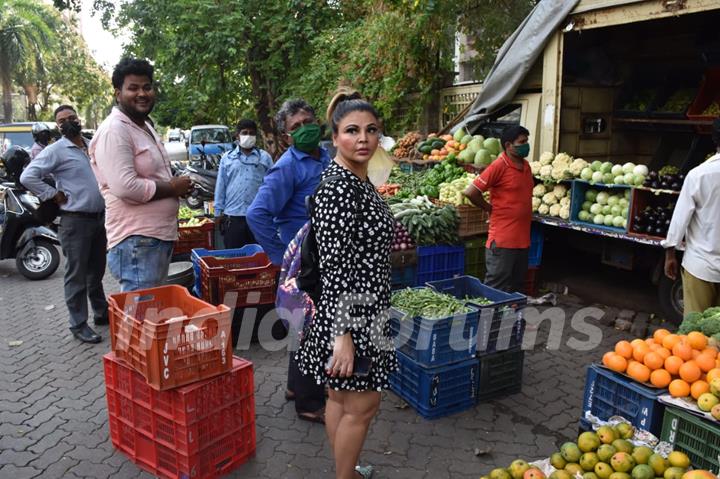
x,y
312,417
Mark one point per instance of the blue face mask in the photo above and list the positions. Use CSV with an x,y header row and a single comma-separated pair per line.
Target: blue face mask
x,y
522,150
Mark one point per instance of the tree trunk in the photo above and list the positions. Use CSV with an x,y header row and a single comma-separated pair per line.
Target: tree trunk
x,y
7,96
265,107
31,91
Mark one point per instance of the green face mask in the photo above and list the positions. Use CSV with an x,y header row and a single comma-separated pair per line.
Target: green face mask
x,y
522,150
306,138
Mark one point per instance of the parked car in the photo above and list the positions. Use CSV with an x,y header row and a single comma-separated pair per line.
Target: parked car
x,y
175,134
210,139
20,134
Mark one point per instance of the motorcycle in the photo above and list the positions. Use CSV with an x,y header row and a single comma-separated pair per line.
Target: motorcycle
x,y
23,235
203,174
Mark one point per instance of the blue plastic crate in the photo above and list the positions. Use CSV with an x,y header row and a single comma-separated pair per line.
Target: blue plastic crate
x,y
537,240
501,325
403,277
435,342
435,392
610,394
197,253
500,374
579,188
439,262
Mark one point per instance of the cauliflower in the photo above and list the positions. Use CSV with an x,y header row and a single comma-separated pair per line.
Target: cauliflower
x,y
560,191
555,210
565,211
565,201
539,190
536,202
562,158
546,158
545,171
535,167
549,199
559,172
577,166
544,209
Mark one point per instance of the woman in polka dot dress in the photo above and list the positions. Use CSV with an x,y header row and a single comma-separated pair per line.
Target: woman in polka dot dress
x,y
354,230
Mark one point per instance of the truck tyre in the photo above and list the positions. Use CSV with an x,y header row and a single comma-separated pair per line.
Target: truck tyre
x,y
670,296
40,261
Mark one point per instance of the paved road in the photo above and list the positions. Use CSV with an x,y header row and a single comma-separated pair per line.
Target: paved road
x,y
53,418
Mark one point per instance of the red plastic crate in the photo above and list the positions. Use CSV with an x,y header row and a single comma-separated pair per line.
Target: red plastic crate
x,y
194,237
169,336
253,278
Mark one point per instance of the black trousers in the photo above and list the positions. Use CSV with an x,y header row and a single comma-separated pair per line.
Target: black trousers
x,y
309,396
506,268
236,233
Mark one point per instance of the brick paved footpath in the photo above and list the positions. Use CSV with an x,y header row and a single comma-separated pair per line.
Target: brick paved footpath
x,y
53,418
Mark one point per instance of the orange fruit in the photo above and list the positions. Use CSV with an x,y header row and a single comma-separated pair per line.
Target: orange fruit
x,y
683,351
653,360
690,372
664,353
698,388
670,340
695,353
635,342
679,388
624,349
710,351
650,341
672,364
712,374
606,358
660,378
639,372
705,362
697,340
617,363
640,351
660,334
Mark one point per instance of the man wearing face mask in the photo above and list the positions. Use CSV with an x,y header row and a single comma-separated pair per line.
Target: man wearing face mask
x,y
82,215
240,175
510,183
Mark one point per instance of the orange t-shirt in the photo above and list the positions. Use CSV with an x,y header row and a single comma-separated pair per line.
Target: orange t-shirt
x,y
510,189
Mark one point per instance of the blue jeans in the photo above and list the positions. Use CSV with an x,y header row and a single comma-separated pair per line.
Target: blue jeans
x,y
140,262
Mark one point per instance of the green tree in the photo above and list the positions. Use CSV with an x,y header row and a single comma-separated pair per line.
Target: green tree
x,y
26,33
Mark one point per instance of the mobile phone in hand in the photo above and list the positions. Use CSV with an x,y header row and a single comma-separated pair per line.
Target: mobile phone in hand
x,y
361,366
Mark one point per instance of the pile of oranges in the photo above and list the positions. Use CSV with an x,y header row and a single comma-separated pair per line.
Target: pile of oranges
x,y
685,364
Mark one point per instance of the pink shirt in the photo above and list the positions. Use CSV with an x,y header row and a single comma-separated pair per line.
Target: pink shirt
x,y
127,161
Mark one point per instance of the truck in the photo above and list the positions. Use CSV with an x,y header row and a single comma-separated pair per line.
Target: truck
x,y
613,80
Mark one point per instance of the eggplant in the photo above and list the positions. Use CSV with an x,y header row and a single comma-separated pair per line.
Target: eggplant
x,y
664,185
655,185
640,229
667,223
638,219
653,174
675,186
651,219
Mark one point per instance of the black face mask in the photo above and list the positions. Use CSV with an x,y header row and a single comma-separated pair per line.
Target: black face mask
x,y
71,129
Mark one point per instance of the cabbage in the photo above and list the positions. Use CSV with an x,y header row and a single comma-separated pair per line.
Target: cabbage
x,y
618,221
629,178
617,170
590,195
609,220
596,209
624,225
586,173
624,213
584,216
641,170
628,167
606,167
596,165
597,177
619,180
586,206
638,180
606,209
599,219
613,200
602,197
608,178
623,202
539,190
627,194
615,210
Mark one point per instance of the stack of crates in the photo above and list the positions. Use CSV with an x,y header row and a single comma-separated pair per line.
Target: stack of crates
x,y
695,435
501,328
179,404
404,269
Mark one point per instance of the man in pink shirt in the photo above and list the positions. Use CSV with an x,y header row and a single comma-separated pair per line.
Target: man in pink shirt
x,y
133,170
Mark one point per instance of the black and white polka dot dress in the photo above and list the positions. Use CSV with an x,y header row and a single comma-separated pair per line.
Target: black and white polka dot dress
x,y
354,242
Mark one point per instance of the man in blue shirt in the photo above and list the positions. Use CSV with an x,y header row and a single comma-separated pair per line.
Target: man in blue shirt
x,y
82,220
241,173
278,213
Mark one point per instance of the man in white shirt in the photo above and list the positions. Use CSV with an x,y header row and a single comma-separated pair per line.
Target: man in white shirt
x,y
697,219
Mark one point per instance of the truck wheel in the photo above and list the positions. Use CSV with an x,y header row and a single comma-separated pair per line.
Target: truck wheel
x,y
670,296
40,261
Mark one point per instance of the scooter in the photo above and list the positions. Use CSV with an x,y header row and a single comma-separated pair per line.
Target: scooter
x,y
203,174
23,236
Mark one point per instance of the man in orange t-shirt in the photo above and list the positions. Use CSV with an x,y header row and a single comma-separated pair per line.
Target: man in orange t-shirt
x,y
510,183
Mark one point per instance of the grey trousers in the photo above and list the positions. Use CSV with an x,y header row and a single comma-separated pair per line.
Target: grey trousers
x,y
84,245
506,268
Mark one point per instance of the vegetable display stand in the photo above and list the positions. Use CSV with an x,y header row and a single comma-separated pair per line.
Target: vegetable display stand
x,y
500,374
501,325
169,336
610,394
696,437
475,257
439,262
197,253
473,221
253,278
435,392
537,240
202,430
579,190
190,237
435,342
